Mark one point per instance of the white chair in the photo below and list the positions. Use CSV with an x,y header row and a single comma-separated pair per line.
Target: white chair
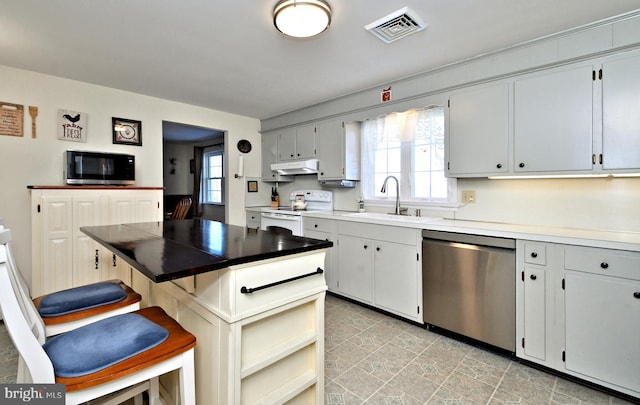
x,y
70,309
77,358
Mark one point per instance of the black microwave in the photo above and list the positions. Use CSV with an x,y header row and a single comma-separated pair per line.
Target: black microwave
x,y
99,168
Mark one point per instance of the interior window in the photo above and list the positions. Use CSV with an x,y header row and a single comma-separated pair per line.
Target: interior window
x,y
410,147
213,178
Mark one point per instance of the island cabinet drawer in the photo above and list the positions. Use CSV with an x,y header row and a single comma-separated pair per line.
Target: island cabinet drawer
x,y
616,263
246,290
320,225
535,253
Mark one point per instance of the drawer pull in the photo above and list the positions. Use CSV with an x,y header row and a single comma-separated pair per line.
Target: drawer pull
x,y
533,277
636,295
604,265
97,260
534,254
248,290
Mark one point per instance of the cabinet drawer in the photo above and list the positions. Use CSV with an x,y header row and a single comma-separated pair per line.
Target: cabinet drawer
x,y
535,253
616,263
397,234
320,225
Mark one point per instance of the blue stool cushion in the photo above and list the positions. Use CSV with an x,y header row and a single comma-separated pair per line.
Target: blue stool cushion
x,y
101,344
79,298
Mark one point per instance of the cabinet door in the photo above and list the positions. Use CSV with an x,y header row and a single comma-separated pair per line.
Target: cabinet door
x,y
306,142
479,131
269,155
602,328
330,150
355,258
553,121
621,121
89,258
147,206
122,209
396,278
55,264
534,312
287,144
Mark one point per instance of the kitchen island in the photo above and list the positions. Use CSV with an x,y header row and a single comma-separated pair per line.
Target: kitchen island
x,y
254,300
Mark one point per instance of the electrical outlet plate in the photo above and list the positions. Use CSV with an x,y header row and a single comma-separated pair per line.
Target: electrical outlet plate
x,y
468,196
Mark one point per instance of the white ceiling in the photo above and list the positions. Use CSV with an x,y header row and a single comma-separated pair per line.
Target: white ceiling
x,y
226,54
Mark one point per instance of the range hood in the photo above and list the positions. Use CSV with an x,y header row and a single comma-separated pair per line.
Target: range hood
x,y
338,183
309,166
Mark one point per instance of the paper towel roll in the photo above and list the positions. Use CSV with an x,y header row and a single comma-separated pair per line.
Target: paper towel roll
x,y
240,166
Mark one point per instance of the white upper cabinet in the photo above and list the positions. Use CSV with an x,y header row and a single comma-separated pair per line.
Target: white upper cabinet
x,y
479,131
621,113
338,150
269,156
297,143
553,120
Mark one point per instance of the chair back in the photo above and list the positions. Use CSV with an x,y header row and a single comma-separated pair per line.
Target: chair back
x,y
182,208
39,368
23,296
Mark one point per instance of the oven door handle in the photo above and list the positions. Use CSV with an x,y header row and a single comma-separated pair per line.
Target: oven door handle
x,y
281,217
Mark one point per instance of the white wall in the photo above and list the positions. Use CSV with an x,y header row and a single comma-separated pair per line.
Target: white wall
x,y
180,182
25,161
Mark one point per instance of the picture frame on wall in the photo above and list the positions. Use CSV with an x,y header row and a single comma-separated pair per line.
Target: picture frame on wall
x,y
126,131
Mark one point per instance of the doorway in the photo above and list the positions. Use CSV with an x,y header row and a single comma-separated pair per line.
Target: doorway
x,y
182,174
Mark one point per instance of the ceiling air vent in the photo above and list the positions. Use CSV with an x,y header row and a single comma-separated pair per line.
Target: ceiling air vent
x,y
396,25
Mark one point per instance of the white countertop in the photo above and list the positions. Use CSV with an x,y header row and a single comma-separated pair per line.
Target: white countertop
x,y
583,237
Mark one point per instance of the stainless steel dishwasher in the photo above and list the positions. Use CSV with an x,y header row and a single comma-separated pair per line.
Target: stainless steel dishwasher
x,y
469,286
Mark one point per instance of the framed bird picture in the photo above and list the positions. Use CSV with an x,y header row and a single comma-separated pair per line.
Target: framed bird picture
x,y
127,132
72,126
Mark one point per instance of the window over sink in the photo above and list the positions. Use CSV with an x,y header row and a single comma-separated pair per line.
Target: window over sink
x,y
410,146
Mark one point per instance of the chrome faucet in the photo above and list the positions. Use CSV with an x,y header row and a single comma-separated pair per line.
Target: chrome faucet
x,y
384,190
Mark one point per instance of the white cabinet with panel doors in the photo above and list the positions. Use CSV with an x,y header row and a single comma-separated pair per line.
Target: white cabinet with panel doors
x,y
269,154
324,229
64,257
478,134
575,119
338,150
297,143
578,312
553,120
381,266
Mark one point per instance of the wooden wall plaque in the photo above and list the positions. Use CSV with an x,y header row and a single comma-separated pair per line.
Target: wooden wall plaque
x,y
11,119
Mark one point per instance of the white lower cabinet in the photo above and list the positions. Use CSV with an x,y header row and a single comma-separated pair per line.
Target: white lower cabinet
x,y
63,256
381,266
579,312
261,348
602,306
324,229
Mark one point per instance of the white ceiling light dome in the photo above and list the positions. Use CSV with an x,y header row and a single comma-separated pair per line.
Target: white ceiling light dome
x,y
302,18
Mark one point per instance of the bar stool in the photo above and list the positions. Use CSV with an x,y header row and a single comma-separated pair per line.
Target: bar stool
x,y
124,354
69,309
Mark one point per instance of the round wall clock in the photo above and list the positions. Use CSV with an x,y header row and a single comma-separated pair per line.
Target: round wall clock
x,y
244,146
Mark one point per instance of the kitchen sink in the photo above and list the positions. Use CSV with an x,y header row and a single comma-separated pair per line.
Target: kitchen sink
x,y
380,216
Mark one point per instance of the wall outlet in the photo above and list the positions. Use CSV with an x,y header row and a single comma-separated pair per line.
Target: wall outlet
x,y
468,196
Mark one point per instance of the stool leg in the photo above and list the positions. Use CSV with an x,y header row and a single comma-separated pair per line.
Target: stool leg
x,y
154,391
188,379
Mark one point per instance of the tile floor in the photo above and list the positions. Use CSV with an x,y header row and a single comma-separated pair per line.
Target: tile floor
x,y
372,359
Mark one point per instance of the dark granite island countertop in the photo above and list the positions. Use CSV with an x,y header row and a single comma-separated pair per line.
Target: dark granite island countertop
x,y
164,251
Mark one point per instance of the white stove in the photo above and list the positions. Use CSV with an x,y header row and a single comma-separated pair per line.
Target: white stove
x,y
287,219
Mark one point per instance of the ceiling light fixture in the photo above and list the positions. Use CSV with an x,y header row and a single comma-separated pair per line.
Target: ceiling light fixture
x,y
302,19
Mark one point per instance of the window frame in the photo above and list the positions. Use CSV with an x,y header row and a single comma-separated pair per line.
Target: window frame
x,y
372,196
212,152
